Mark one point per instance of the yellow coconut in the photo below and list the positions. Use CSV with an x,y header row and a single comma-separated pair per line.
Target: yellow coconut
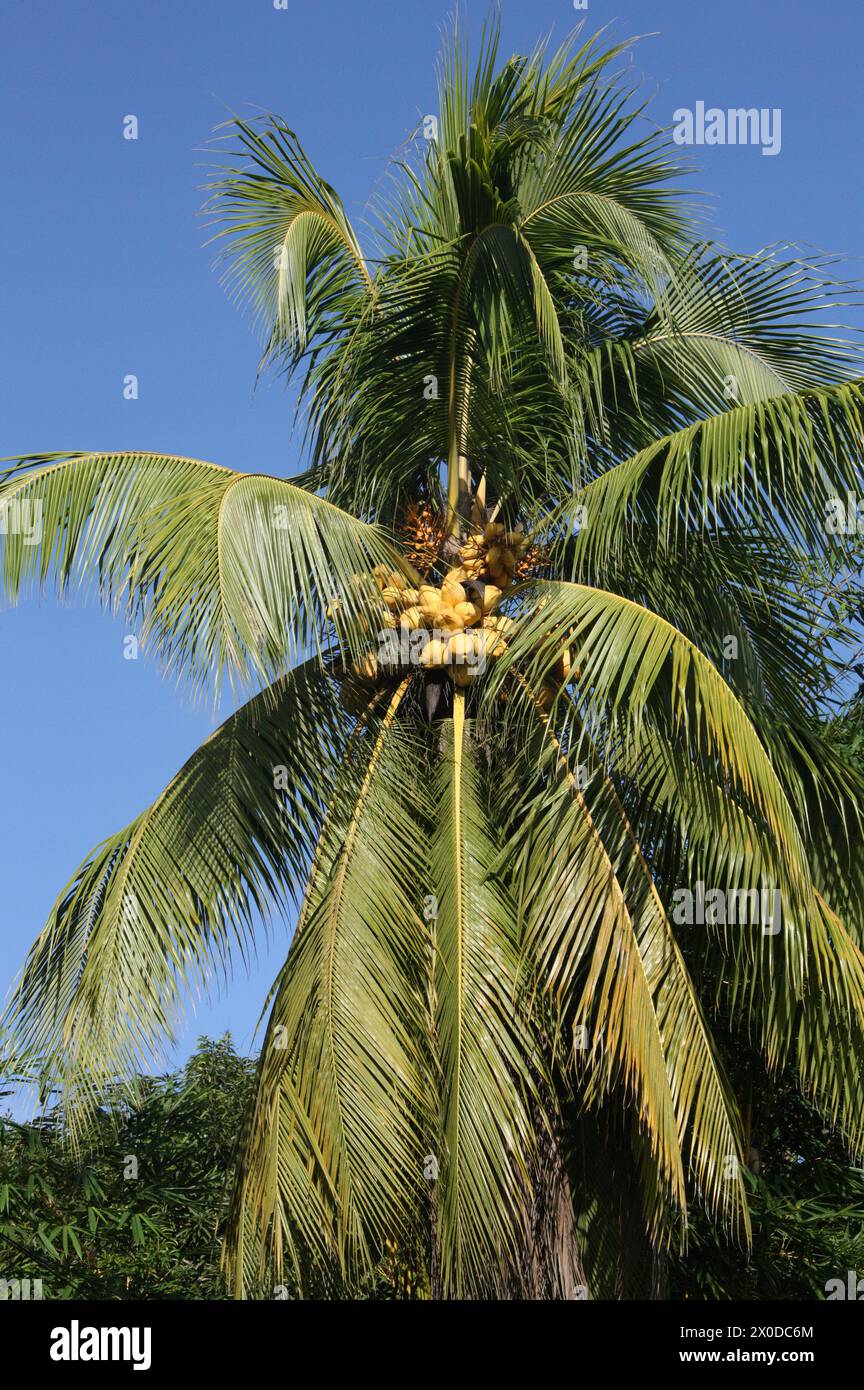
x,y
459,648
410,597
397,579
485,642
412,618
493,530
491,595
452,593
435,618
430,598
449,620
466,650
470,613
392,597
433,655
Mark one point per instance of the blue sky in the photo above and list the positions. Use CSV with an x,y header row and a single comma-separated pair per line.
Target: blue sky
x,y
104,273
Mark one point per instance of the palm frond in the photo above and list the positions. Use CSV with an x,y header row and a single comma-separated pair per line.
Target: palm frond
x,y
485,1050
159,908
740,329
291,253
627,657
776,464
223,572
341,1118
599,939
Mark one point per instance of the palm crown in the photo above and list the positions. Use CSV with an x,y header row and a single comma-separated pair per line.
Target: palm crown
x,y
532,651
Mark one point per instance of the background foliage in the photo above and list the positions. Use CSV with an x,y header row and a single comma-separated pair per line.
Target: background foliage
x,y
74,1220
88,1233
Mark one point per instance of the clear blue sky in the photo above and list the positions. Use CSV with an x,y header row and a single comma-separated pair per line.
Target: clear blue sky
x,y
103,274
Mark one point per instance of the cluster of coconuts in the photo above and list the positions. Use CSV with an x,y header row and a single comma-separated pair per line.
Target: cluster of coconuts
x,y
494,552
464,629
456,623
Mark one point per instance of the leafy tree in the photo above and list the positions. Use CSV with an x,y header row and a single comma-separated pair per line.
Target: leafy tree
x,y
532,650
135,1212
806,1203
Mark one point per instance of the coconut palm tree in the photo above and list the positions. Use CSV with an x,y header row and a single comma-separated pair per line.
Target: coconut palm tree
x,y
532,731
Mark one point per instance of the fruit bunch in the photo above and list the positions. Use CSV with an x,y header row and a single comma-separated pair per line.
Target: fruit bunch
x,y
398,595
468,630
494,552
464,631
423,535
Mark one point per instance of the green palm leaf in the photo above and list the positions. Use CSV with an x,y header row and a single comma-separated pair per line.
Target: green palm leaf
x,y
599,938
343,1067
162,904
776,463
486,1053
223,571
628,657
291,255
